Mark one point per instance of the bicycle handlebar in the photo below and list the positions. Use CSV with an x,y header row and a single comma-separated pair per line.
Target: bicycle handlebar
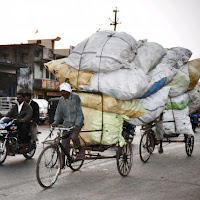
x,y
61,128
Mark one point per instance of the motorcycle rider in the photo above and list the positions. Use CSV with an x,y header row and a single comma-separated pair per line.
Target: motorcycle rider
x,y
23,112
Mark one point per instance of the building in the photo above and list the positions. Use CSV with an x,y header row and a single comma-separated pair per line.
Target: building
x,y
22,68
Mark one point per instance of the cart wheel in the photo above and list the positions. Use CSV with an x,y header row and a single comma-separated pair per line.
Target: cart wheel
x,y
146,146
124,159
75,165
189,144
48,166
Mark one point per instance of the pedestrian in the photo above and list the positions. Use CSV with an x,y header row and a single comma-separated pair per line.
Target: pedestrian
x,y
35,117
70,112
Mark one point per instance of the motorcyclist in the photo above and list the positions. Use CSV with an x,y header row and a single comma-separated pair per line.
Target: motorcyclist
x,y
23,112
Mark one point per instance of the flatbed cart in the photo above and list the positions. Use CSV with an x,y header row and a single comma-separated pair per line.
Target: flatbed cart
x,y
49,161
148,142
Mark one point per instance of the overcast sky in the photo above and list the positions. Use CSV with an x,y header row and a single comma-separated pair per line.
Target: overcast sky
x,y
170,23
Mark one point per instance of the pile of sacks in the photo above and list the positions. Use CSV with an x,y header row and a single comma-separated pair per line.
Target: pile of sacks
x,y
139,81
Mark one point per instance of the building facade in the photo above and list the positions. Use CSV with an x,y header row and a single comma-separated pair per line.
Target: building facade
x,y
22,68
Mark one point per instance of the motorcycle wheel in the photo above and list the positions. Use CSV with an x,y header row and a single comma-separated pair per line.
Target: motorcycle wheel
x,y
29,154
3,154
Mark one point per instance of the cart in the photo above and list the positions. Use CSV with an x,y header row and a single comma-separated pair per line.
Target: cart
x,y
148,142
49,161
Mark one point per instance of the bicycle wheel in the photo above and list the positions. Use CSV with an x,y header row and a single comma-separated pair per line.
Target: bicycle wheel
x,y
189,144
146,146
48,166
75,165
124,159
3,152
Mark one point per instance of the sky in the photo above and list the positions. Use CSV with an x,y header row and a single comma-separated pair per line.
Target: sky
x,y
170,23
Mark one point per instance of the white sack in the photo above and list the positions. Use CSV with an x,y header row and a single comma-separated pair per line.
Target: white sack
x,y
160,76
103,51
123,84
194,95
154,106
180,82
182,122
148,55
176,57
177,103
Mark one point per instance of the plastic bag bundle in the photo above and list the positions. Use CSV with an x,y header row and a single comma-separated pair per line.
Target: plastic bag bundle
x,y
194,95
62,71
177,121
154,106
180,82
194,73
132,108
103,51
112,128
177,103
176,57
123,84
160,76
149,55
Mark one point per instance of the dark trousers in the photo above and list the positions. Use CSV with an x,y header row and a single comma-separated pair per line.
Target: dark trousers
x,y
74,137
24,132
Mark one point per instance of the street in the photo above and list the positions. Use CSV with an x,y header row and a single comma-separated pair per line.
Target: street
x,y
171,175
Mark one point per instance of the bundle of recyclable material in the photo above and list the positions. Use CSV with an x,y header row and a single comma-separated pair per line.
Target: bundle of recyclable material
x,y
194,95
64,72
177,121
154,106
132,108
135,80
124,84
176,116
112,128
194,73
104,51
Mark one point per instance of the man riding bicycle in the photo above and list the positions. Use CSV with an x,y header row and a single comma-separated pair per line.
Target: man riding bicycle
x,y
70,112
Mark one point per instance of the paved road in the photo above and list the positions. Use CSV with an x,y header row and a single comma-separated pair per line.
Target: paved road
x,y
171,175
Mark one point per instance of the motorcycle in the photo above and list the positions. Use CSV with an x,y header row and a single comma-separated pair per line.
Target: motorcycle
x,y
10,143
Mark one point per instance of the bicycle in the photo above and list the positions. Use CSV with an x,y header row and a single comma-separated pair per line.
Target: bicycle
x,y
49,161
48,165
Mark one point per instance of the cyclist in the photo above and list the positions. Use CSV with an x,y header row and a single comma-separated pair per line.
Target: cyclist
x,y
70,112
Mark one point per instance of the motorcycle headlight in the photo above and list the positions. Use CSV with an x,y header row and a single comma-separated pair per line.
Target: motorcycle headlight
x,y
2,126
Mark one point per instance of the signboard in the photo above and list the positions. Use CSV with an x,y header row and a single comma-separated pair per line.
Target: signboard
x,y
50,85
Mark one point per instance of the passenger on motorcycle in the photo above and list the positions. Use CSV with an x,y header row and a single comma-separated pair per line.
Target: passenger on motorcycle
x,y
35,116
23,112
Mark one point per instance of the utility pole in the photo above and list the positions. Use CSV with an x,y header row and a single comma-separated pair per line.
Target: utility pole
x,y
116,20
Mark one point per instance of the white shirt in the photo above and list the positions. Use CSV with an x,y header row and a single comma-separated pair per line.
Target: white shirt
x,y
19,106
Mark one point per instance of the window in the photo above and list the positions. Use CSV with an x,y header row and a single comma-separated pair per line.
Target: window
x,y
47,73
